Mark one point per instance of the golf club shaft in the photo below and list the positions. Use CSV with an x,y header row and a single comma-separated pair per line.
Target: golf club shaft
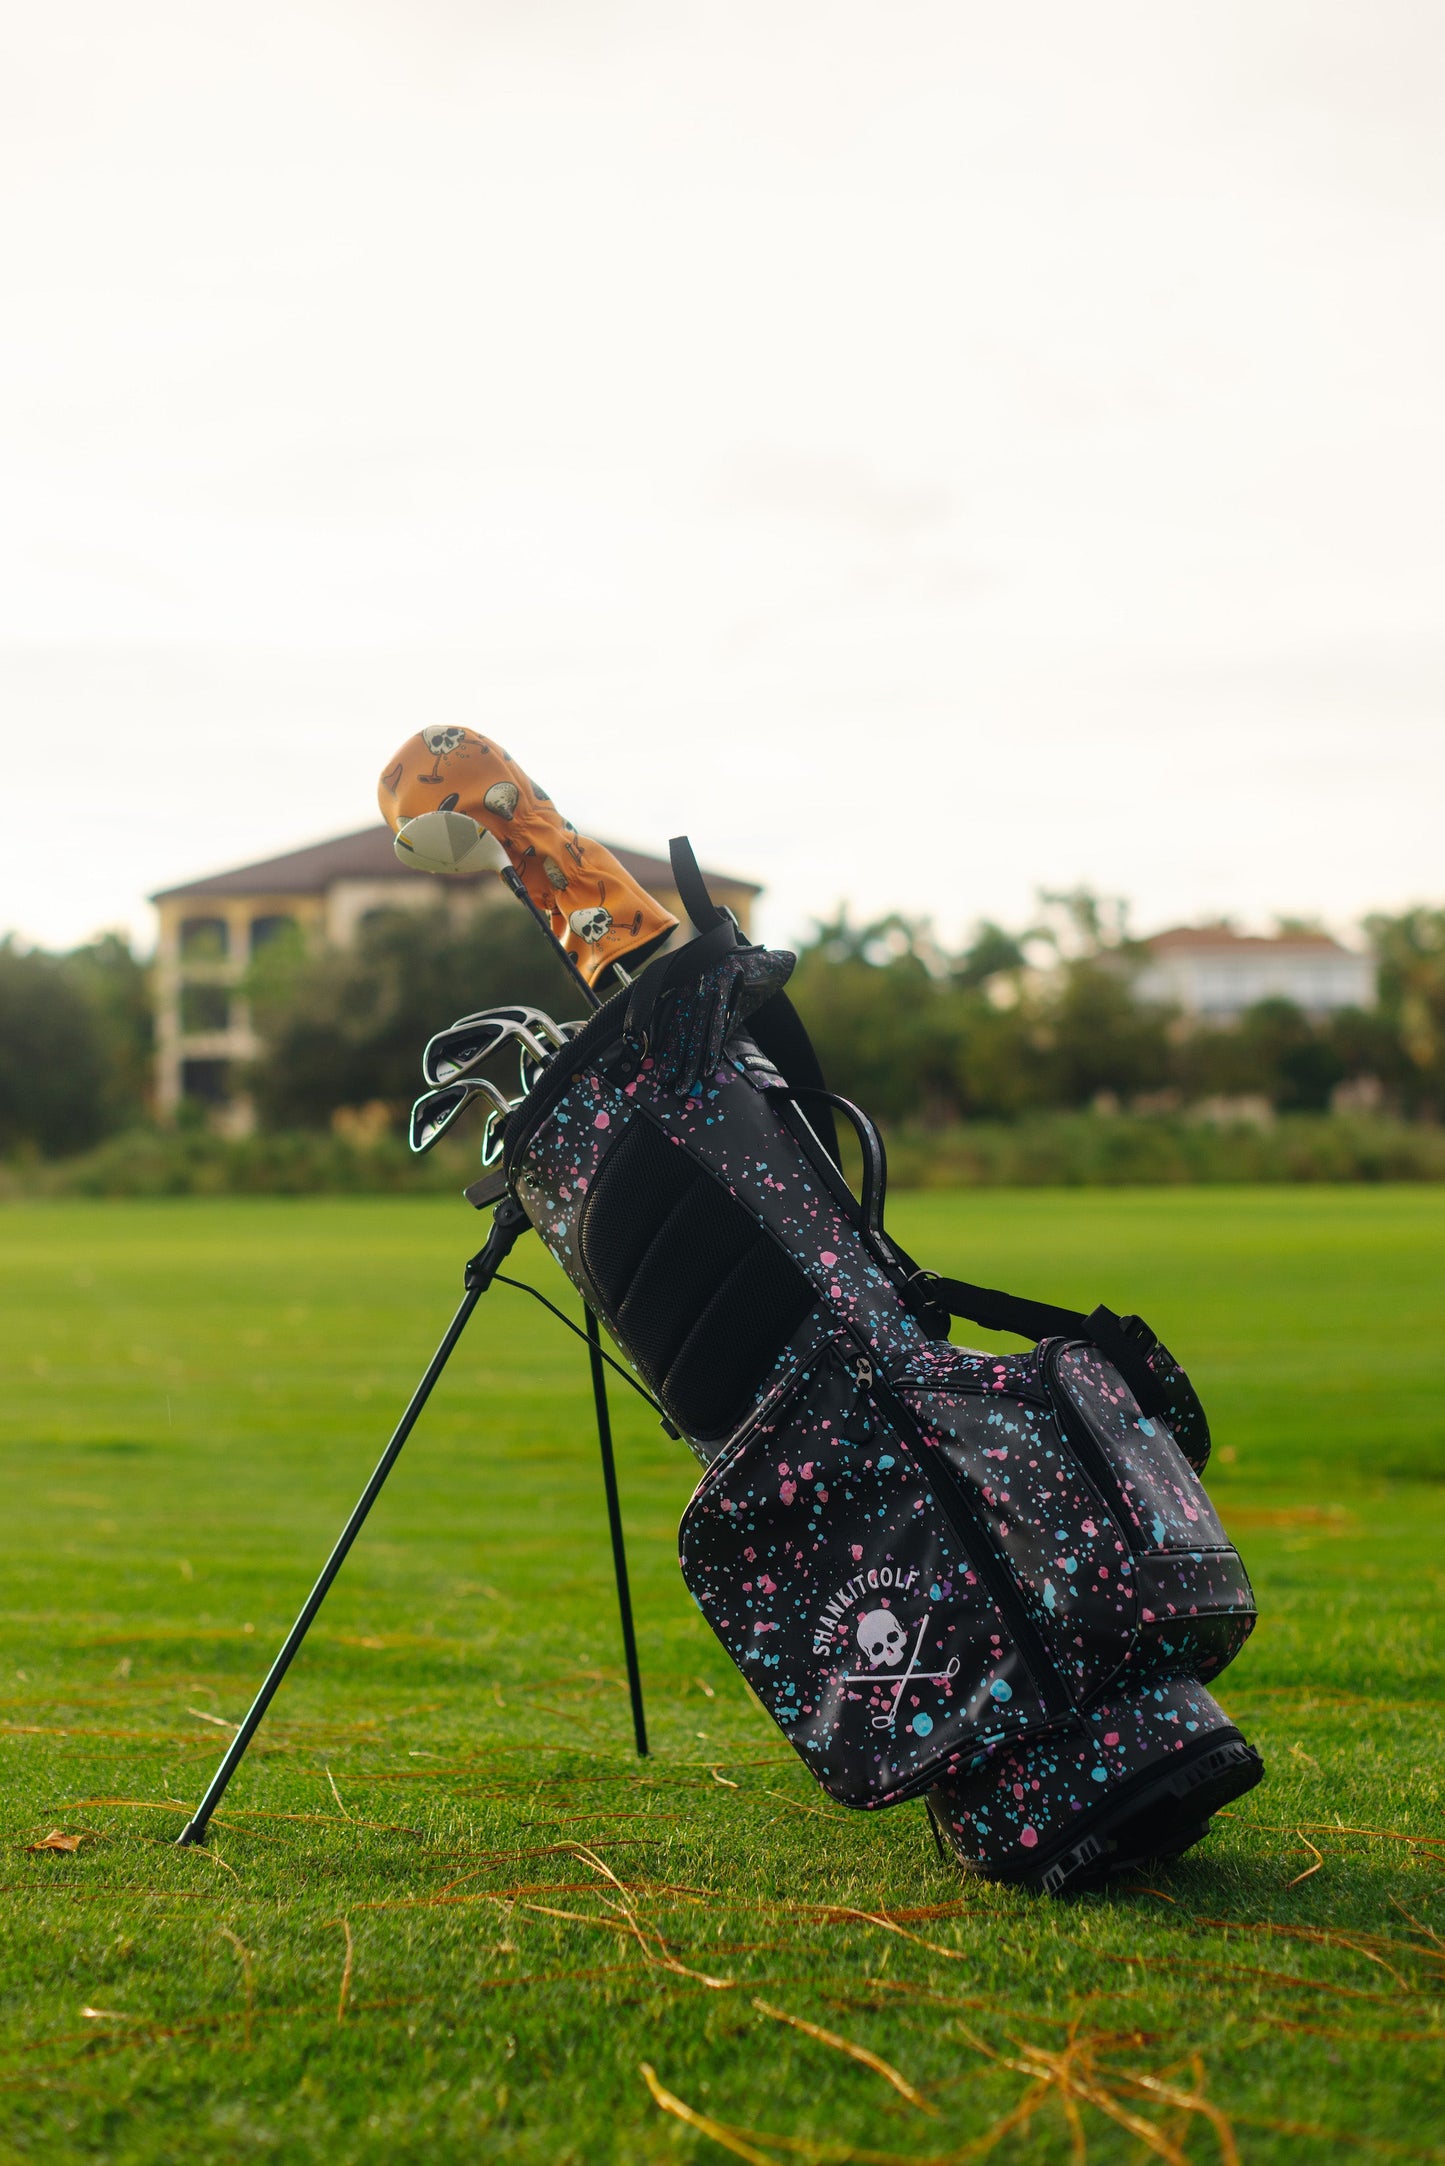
x,y
195,1828
513,880
614,1522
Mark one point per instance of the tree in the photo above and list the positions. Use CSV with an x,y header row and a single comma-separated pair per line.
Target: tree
x,y
1410,950
52,1057
117,987
876,1005
347,1027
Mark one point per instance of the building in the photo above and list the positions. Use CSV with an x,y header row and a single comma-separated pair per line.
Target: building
x,y
211,930
1214,973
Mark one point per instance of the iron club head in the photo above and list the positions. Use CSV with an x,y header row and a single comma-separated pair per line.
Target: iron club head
x,y
435,1110
465,1044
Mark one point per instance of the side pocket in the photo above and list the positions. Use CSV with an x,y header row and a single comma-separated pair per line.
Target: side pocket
x,y
1158,1494
1195,1604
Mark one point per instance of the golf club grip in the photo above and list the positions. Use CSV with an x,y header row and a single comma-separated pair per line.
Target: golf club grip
x,y
594,909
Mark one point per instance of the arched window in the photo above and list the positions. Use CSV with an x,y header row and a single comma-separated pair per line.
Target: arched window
x,y
204,940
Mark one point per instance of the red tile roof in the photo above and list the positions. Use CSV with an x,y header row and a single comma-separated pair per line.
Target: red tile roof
x,y
1225,938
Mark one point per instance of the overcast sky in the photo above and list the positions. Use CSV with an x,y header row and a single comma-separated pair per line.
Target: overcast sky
x,y
926,451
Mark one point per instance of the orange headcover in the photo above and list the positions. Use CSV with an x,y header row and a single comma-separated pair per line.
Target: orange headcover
x,y
597,911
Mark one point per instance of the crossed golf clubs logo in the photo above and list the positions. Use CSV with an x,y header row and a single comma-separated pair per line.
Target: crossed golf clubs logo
x,y
881,1637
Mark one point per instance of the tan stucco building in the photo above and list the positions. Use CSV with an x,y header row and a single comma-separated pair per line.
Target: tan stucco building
x,y
211,930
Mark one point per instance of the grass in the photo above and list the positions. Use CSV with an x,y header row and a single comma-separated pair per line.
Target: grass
x,y
448,1916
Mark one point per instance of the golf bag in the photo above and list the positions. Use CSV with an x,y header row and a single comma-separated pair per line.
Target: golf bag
x,y
994,1581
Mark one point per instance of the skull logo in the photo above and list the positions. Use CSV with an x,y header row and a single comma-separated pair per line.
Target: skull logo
x,y
501,798
880,1636
441,741
591,925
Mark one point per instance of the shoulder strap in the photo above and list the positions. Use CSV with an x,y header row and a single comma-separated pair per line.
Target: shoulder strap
x,y
1127,1341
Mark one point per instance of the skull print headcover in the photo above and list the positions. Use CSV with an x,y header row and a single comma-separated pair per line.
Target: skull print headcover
x,y
596,909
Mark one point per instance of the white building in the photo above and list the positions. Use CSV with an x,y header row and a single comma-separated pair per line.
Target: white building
x,y
1215,973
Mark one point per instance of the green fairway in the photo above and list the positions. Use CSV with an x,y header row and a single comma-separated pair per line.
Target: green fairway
x,y
448,1916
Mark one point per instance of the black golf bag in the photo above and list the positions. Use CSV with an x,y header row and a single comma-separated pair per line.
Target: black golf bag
x,y
994,1581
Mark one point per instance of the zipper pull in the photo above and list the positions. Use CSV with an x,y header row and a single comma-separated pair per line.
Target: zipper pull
x,y
863,1380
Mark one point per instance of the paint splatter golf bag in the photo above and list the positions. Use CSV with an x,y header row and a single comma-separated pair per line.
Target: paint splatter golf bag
x,y
994,1581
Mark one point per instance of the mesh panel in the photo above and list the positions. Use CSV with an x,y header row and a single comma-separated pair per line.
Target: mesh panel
x,y
702,1297
692,1251
638,1183
720,1366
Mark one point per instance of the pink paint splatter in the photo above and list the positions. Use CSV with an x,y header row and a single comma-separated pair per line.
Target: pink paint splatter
x,y
1111,1737
788,1491
603,1120
828,1259
1028,1837
857,1552
768,1586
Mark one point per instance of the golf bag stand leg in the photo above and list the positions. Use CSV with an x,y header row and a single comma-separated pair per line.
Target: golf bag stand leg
x,y
614,1523
508,1223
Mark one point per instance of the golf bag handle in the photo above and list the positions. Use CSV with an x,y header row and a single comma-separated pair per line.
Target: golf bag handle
x,y
875,1162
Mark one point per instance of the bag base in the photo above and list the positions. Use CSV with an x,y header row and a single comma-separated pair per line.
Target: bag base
x,y
1136,1778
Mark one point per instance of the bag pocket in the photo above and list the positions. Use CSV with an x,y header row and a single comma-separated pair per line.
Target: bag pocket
x,y
1195,1611
819,1552
1195,1604
1156,1493
1067,1552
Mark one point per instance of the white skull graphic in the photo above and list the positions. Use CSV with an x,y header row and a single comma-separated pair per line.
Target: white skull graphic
x,y
591,925
880,1636
441,741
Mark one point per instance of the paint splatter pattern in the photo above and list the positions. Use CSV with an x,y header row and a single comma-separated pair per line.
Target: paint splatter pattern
x,y
1020,1801
818,1552
912,1550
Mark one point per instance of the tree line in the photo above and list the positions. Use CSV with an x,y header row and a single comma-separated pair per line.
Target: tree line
x,y
1010,1024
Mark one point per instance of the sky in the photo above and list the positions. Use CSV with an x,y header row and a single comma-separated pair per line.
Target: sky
x,y
926,453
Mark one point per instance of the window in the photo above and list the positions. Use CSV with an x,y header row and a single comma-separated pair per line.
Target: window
x,y
266,930
208,1082
205,1007
204,940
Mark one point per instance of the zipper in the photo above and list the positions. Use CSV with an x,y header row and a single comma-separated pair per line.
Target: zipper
x,y
967,1387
